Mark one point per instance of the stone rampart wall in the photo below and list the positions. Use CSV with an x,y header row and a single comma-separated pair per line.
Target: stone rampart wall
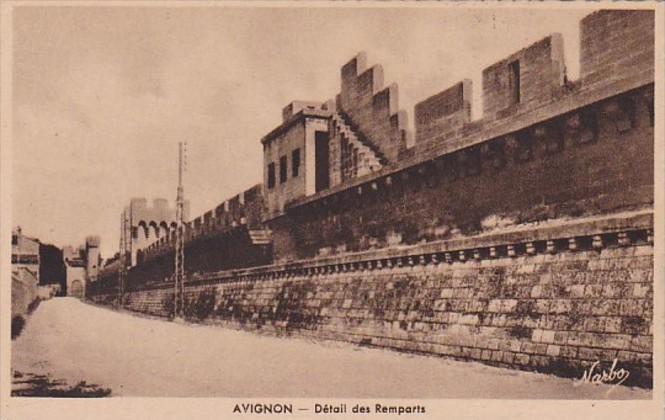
x,y
555,300
592,159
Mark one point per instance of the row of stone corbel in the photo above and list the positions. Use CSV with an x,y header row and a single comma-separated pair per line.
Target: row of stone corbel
x,y
551,246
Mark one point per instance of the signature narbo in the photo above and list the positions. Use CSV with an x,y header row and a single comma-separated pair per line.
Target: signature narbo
x,y
612,376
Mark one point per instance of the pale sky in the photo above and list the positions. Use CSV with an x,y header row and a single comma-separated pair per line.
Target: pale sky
x,y
102,95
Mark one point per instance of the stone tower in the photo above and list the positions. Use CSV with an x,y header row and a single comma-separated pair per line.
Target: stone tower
x,y
92,258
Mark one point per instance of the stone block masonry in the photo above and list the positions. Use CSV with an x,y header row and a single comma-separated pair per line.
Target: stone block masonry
x,y
524,79
616,44
546,148
581,293
372,107
590,160
437,115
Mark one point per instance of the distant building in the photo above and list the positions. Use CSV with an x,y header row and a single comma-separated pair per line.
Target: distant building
x,y
82,266
92,258
75,265
316,147
25,271
142,225
25,252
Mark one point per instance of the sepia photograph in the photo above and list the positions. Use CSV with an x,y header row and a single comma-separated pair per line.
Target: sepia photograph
x,y
330,209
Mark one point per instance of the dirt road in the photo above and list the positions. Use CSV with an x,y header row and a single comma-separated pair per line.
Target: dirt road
x,y
135,356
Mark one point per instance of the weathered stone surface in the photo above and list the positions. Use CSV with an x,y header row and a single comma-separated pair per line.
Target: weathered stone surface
x,y
578,180
540,68
616,44
406,312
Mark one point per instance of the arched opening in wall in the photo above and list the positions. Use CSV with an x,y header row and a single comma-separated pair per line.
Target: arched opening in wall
x,y
164,228
77,289
154,228
144,232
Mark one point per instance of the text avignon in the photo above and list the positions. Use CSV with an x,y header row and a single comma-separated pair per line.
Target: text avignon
x,y
260,408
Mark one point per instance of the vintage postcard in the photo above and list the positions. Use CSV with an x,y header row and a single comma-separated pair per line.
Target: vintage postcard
x,y
331,210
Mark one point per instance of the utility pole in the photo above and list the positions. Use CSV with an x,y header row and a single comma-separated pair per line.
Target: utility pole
x,y
122,255
179,275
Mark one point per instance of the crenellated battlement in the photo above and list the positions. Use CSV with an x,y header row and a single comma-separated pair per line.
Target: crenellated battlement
x,y
243,210
527,87
524,79
532,113
444,112
373,108
524,171
140,214
616,48
616,44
